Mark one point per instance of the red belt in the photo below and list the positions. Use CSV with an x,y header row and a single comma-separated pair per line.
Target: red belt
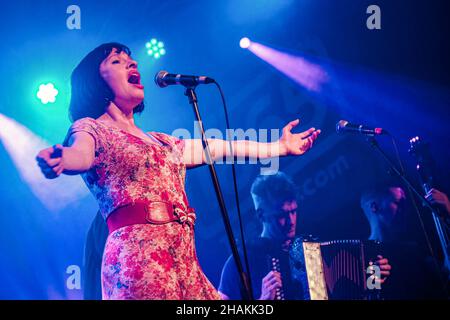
x,y
154,212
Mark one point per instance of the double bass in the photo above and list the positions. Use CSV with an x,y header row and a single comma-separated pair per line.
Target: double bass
x,y
425,168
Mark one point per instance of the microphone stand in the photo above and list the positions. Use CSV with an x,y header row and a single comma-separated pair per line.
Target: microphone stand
x,y
190,93
374,143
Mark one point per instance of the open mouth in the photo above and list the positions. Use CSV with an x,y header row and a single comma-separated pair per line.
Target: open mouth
x,y
135,79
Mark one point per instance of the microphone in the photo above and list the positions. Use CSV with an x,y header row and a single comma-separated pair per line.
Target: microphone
x,y
164,79
344,126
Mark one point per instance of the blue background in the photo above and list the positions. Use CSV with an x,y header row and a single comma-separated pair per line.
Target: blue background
x,y
396,78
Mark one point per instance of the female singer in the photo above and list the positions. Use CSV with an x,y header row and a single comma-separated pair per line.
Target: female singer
x,y
138,179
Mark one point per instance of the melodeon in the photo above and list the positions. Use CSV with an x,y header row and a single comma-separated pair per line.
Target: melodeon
x,y
334,270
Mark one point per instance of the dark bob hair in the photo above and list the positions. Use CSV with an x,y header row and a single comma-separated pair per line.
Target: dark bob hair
x,y
91,95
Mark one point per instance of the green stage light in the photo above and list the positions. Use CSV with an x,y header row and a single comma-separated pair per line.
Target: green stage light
x,y
155,48
47,93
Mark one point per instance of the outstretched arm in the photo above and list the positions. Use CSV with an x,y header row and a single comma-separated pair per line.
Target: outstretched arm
x,y
75,159
289,144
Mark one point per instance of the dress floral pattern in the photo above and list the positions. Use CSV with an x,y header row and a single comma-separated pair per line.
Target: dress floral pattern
x,y
143,261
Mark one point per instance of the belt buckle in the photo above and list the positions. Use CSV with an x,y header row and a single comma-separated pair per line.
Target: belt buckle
x,y
159,212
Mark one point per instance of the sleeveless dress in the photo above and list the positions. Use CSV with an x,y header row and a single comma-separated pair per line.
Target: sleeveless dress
x,y
144,261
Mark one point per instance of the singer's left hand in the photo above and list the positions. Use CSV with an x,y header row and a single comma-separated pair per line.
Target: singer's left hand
x,y
297,143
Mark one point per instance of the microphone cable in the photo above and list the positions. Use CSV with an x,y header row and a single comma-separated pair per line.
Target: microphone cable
x,y
236,192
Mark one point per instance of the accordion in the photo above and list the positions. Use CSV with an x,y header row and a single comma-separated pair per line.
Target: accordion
x,y
333,270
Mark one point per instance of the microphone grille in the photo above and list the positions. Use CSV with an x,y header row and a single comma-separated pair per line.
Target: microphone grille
x,y
159,78
341,125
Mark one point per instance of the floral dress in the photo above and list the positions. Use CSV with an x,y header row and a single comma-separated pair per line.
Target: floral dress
x,y
143,261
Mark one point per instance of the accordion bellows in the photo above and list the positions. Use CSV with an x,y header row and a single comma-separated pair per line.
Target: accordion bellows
x,y
335,270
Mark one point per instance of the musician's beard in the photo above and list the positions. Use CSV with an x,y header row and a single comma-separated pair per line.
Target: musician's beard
x,y
280,235
291,234
284,235
287,233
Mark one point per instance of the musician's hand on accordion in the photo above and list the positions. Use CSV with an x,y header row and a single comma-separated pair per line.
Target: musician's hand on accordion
x,y
270,283
385,268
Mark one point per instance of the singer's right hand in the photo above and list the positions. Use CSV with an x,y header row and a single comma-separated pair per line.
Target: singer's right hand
x,y
50,161
269,286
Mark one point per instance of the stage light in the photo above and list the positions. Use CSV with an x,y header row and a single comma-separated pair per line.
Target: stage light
x,y
22,145
345,88
47,93
245,43
155,48
306,73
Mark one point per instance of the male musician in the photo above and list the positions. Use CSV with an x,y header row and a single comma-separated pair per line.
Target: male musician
x,y
275,201
416,276
383,208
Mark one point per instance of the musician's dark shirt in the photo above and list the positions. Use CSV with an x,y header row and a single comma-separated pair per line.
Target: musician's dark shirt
x,y
260,253
413,275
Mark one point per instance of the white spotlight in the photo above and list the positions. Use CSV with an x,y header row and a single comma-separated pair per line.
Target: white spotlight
x,y
245,43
